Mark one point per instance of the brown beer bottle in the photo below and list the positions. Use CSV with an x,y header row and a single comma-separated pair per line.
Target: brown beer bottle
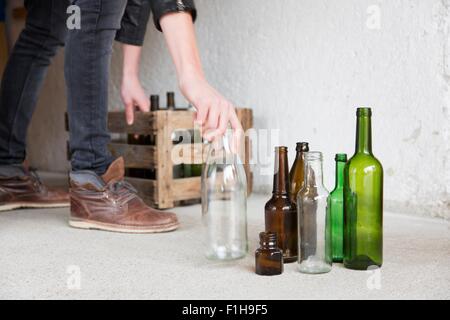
x,y
154,102
144,140
170,100
297,171
280,211
177,136
268,258
154,106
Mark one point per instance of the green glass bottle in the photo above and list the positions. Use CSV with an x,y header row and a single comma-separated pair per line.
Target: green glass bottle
x,y
363,201
336,211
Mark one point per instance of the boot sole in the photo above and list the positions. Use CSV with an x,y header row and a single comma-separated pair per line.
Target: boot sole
x,y
93,225
36,205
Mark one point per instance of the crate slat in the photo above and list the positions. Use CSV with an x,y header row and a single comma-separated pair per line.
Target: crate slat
x,y
195,153
181,119
144,123
135,156
164,167
187,188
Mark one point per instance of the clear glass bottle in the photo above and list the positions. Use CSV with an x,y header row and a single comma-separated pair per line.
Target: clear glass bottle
x,y
314,242
268,257
224,203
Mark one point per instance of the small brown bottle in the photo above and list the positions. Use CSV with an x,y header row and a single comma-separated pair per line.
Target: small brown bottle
x,y
268,258
297,171
280,211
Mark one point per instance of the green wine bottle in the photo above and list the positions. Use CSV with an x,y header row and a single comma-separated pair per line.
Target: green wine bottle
x,y
363,201
336,211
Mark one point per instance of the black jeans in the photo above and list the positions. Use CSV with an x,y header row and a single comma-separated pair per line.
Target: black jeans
x,y
88,54
87,60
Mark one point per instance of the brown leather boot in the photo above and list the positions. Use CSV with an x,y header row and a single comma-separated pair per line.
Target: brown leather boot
x,y
21,188
110,203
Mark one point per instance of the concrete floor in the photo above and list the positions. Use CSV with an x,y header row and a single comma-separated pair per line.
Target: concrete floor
x,y
41,258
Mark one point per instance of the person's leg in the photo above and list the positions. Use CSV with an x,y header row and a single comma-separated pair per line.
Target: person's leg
x,y
44,33
88,56
100,198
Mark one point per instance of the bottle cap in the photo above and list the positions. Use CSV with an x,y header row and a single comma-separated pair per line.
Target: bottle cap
x,y
341,157
302,147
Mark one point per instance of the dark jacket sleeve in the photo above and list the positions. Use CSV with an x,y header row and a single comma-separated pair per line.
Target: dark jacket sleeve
x,y
161,7
137,13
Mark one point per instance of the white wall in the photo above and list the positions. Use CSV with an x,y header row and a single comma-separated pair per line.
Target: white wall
x,y
303,66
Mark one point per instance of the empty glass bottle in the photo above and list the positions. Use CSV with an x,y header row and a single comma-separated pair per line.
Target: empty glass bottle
x,y
268,258
296,175
224,203
363,201
315,243
336,210
280,211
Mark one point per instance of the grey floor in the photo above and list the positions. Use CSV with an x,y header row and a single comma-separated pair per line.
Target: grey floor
x,y
42,258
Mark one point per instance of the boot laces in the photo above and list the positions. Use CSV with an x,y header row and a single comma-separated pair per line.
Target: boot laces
x,y
121,191
36,179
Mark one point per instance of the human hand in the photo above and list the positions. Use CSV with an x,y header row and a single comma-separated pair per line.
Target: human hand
x,y
133,97
214,112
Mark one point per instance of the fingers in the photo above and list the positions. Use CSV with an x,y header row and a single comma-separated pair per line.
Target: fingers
x,y
143,104
213,116
234,121
202,113
237,144
129,112
212,121
219,128
224,118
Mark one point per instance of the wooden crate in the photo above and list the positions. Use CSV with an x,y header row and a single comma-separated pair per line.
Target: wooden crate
x,y
164,191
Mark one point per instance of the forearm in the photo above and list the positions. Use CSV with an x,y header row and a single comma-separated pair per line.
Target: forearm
x,y
131,60
179,32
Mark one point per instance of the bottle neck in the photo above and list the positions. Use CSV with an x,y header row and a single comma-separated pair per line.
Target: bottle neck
x,y
268,240
299,156
170,100
281,176
340,174
154,103
364,134
313,173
